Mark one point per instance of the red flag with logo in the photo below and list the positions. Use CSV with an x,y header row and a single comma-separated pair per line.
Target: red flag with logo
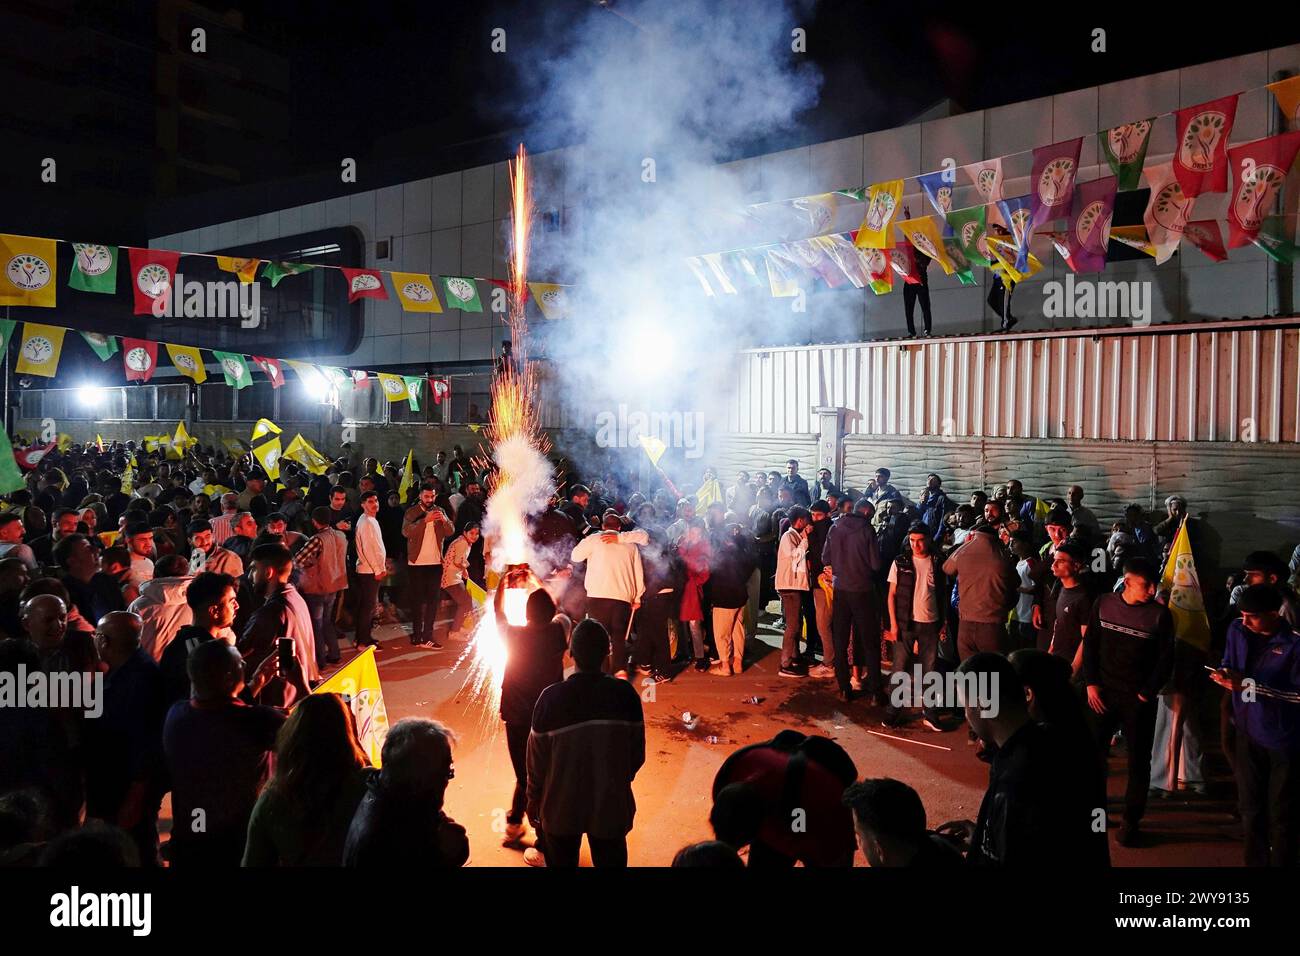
x,y
1201,144
439,388
360,379
903,260
1205,235
272,369
1259,171
29,458
364,284
140,359
153,273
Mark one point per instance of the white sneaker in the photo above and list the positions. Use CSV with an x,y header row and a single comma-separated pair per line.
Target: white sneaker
x,y
822,670
534,857
855,683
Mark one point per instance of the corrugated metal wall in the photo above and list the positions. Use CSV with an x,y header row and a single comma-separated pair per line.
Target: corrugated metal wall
x,y
1205,382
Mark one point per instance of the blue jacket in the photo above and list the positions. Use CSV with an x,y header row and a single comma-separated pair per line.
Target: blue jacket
x,y
852,552
1271,662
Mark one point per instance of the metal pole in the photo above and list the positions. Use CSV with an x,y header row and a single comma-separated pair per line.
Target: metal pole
x,y
8,429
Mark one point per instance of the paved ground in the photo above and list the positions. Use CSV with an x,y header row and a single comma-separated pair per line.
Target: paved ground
x,y
673,788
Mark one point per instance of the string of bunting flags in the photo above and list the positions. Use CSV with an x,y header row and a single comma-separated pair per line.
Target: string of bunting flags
x,y
30,266
41,347
996,232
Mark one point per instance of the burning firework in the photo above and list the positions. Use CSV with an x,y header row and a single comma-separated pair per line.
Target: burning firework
x,y
521,482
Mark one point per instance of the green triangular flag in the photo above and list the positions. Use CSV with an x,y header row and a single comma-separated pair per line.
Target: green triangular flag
x,y
275,271
414,383
960,266
1125,148
1272,238
94,268
105,346
462,293
7,327
969,226
235,368
11,476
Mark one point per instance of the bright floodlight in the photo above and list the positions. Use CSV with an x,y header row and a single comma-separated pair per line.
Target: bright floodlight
x,y
317,386
653,350
90,395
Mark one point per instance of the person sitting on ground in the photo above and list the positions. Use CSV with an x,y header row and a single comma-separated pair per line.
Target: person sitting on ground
x,y
400,821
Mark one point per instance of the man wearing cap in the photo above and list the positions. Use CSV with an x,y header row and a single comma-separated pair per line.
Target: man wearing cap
x,y
1265,567
1262,657
1058,525
207,555
1128,655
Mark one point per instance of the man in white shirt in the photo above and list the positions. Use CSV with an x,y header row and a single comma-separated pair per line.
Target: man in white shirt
x,y
11,540
425,526
372,567
139,539
614,582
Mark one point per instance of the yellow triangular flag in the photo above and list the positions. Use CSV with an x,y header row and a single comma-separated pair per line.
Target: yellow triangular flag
x,y
1186,603
408,477
416,292
264,427
653,447
394,387
358,685
40,350
188,362
1287,94
27,272
246,269
551,299
922,233
709,492
268,453
301,451
99,441
65,442
882,204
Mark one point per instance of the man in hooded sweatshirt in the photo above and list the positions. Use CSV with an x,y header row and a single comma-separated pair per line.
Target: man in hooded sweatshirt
x,y
161,605
852,556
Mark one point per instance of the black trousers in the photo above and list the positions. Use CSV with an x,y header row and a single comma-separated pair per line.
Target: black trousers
x,y
1268,793
651,643
367,593
912,294
812,637
562,851
517,743
615,616
855,615
1138,720
1000,298
423,592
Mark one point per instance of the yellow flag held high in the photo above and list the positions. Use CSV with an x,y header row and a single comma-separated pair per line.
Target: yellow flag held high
x,y
416,292
709,492
302,451
65,441
40,350
246,269
358,685
99,442
408,478
188,362
882,203
1004,261
394,387
550,298
1186,603
923,234
236,446
27,268
181,442
653,447
268,453
264,427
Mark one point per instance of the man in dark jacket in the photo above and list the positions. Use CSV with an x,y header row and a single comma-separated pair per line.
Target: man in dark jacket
x,y
796,484
93,592
987,588
853,557
586,746
400,822
733,559
1128,656
1036,812
819,631
664,576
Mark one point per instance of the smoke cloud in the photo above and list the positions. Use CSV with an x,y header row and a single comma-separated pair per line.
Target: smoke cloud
x,y
654,96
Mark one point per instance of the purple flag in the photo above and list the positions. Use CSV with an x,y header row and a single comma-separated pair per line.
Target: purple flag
x,y
1051,185
1089,228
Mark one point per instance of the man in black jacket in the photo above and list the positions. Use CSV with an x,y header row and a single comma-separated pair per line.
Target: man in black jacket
x,y
664,576
1128,656
853,557
1036,813
918,597
213,603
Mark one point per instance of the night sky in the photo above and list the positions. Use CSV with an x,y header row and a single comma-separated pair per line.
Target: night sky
x,y
411,90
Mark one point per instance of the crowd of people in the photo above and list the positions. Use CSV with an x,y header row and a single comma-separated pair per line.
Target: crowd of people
x,y
210,600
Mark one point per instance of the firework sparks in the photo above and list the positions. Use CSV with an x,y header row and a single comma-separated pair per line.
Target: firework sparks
x,y
521,475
